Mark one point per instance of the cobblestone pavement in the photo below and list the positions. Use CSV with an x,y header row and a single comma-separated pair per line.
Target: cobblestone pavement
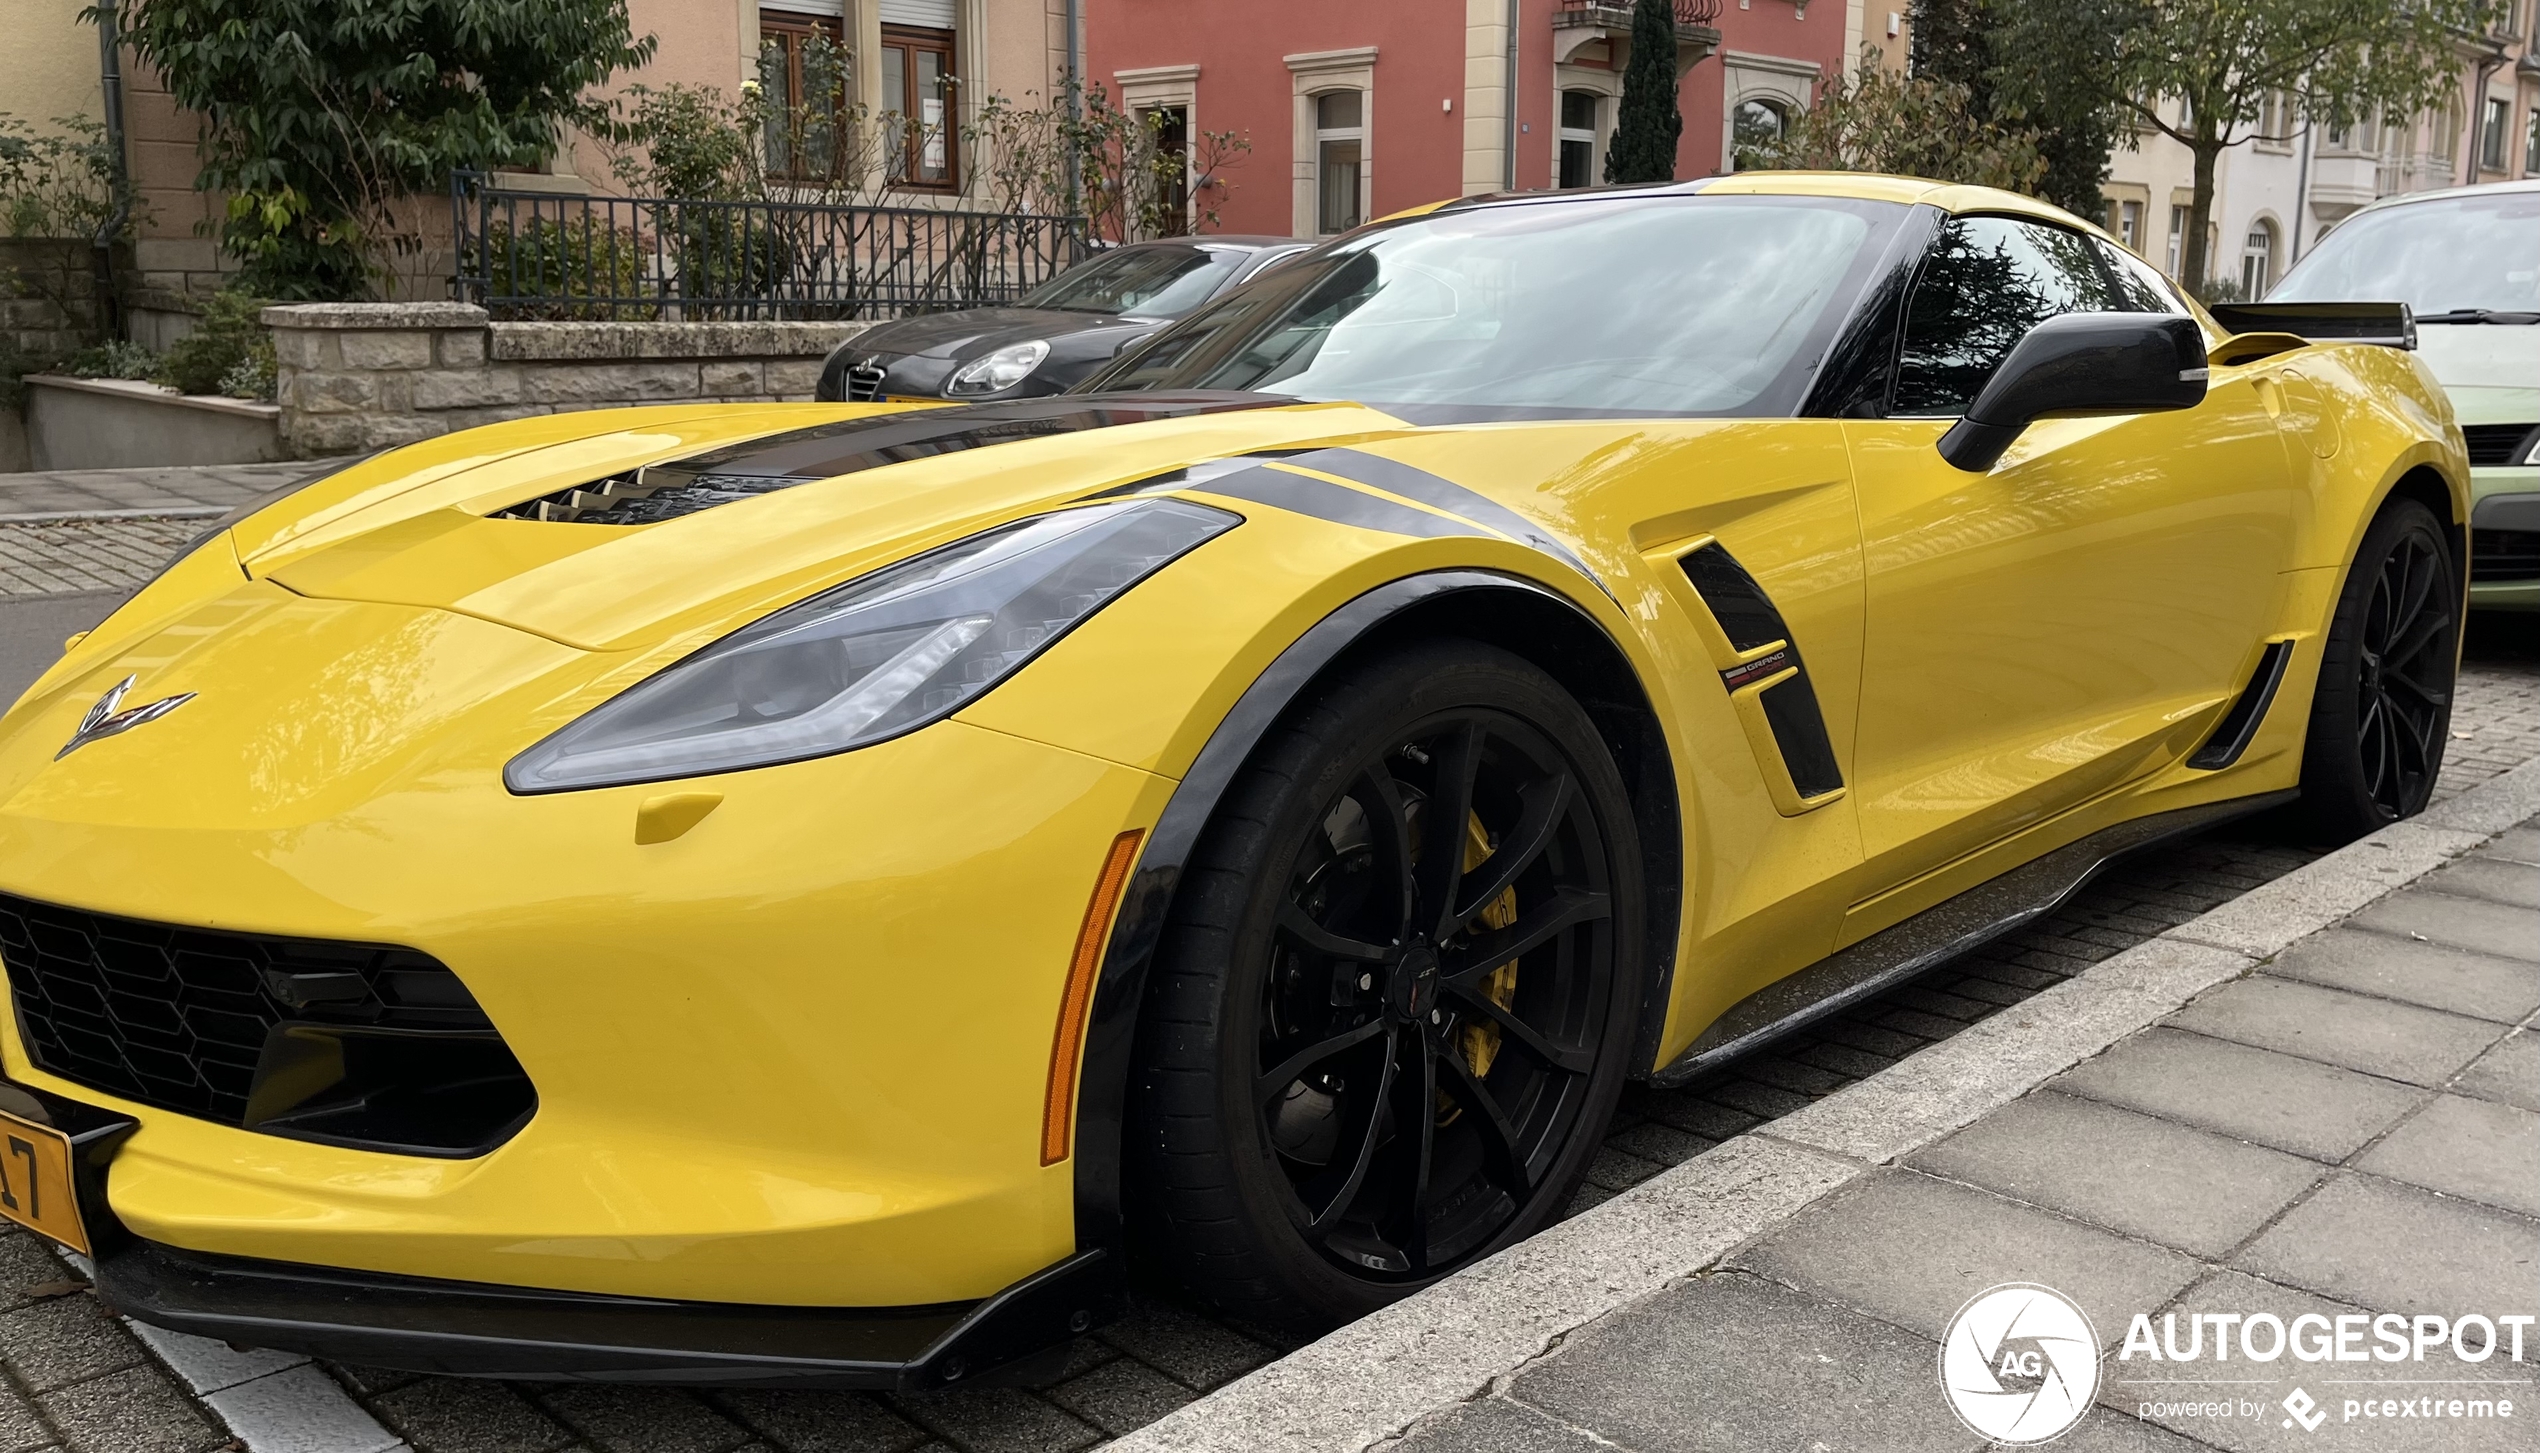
x,y
80,1380
73,556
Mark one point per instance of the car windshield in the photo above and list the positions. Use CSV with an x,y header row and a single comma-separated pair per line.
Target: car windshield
x,y
1612,306
2457,255
1146,282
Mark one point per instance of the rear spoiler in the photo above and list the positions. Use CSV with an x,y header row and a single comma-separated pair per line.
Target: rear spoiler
x,y
2391,325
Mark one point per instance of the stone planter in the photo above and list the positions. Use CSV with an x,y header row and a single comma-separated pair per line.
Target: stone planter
x,y
112,423
360,376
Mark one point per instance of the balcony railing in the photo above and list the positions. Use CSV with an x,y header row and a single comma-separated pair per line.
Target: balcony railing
x,y
1616,15
524,254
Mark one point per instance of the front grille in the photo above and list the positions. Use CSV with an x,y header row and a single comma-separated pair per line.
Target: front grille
x,y
864,382
2493,444
2501,555
346,1042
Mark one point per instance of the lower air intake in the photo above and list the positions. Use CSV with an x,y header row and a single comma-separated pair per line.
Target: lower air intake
x,y
352,1044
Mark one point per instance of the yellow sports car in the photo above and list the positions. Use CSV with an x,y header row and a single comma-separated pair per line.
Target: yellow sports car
x,y
802,893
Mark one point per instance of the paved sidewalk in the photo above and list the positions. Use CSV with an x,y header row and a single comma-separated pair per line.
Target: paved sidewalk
x,y
2350,1129
176,491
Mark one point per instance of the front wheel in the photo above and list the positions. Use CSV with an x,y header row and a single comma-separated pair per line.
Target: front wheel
x,y
1397,995
2383,708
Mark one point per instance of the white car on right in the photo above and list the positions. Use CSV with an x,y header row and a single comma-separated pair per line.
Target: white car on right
x,y
2467,261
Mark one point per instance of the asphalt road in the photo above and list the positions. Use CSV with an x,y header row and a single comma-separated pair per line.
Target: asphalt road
x,y
32,628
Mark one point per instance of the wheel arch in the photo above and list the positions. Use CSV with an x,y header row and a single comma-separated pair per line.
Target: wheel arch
x,y
1527,619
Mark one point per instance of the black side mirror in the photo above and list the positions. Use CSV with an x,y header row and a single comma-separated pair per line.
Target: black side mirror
x,y
2081,363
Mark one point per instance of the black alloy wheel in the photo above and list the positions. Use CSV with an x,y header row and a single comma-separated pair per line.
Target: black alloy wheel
x,y
2404,666
2383,709
1398,994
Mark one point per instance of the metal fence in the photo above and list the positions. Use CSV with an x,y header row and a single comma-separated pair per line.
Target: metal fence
x,y
525,254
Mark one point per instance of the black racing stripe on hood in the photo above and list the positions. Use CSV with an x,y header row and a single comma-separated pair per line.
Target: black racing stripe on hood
x,y
1337,503
824,451
1395,477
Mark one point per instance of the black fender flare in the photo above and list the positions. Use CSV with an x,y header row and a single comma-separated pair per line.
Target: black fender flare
x,y
1111,1028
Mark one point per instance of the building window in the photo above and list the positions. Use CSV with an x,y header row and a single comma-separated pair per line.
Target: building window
x,y
2491,135
1578,137
2178,237
1171,128
2130,225
803,74
1340,140
1757,123
919,135
2257,261
2531,144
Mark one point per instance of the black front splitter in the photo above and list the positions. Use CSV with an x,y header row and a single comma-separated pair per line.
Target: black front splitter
x,y
470,1329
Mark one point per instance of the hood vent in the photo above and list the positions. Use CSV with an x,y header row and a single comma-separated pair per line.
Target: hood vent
x,y
658,492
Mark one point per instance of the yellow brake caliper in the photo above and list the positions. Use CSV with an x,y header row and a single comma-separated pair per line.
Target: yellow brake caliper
x,y
1481,1040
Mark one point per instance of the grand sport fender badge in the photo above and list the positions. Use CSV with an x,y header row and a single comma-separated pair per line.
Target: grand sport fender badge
x,y
103,720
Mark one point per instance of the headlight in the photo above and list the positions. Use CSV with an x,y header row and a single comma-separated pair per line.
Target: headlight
x,y
904,646
994,373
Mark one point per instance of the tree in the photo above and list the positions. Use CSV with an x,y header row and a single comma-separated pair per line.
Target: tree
x,y
1647,124
321,117
2202,71
2014,58
1879,121
1129,173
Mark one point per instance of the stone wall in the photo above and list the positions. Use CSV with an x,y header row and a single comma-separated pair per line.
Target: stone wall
x,y
360,376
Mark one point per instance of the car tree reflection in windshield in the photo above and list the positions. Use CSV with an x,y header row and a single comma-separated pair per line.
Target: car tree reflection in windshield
x,y
1143,282
2465,256
1616,306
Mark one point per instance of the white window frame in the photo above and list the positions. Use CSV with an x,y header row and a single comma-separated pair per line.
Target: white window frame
x,y
1745,76
1165,88
1607,87
1324,136
2259,246
1311,74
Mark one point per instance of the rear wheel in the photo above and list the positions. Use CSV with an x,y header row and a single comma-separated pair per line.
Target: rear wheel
x,y
1395,1001
2383,709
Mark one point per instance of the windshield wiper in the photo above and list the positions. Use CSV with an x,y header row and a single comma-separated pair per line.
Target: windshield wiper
x,y
2478,315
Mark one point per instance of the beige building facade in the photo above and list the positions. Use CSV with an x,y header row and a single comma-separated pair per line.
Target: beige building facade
x,y
948,56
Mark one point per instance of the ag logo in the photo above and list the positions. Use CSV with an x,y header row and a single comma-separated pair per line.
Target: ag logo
x,y
2019,1363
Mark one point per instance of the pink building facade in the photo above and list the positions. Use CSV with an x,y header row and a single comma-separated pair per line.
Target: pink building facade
x,y
1358,108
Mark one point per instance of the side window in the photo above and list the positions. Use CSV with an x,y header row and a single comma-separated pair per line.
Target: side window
x,y
2139,288
1986,282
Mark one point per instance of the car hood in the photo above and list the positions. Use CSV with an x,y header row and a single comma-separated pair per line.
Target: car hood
x,y
751,507
974,331
2491,370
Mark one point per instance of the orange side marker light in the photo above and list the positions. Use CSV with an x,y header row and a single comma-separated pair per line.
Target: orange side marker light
x,y
1058,1108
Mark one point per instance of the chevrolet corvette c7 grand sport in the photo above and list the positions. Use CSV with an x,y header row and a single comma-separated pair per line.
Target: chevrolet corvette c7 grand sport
x,y
806,893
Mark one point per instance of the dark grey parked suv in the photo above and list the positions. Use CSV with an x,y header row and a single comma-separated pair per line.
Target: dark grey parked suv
x,y
1056,335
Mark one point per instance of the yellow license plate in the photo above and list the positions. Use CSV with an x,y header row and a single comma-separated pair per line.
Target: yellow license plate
x,y
35,1182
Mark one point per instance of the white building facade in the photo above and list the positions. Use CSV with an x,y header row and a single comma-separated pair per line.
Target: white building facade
x,y
2274,200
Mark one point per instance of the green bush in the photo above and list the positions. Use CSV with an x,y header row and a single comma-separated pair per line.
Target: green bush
x,y
116,358
544,258
224,337
320,120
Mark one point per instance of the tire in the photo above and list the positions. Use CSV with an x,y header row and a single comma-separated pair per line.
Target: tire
x,y
1306,1003
2383,707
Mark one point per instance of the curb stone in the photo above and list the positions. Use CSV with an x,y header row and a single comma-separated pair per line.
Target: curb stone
x,y
272,1402
1369,1382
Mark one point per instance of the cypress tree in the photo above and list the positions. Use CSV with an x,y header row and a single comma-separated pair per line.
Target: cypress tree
x,y
1648,123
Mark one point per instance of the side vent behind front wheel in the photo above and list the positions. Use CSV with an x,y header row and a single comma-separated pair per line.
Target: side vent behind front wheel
x,y
1768,683
2239,726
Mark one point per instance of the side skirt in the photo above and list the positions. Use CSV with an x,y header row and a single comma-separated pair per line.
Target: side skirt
x,y
1939,933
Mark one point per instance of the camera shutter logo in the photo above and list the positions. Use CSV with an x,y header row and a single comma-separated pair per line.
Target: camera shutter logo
x,y
2019,1363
